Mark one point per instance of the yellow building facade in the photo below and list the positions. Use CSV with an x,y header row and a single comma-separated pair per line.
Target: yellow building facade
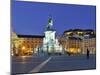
x,y
25,44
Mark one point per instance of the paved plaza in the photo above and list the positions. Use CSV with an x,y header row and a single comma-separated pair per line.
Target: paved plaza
x,y
53,63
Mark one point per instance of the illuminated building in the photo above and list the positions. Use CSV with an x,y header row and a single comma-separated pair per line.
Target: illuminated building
x,y
14,43
25,44
89,42
78,41
72,45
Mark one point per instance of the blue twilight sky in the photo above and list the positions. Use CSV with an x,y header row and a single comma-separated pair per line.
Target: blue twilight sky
x,y
31,18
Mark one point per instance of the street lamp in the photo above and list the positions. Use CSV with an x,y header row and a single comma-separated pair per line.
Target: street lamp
x,y
23,48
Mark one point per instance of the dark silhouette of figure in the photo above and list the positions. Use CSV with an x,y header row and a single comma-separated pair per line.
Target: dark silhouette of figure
x,y
88,53
68,53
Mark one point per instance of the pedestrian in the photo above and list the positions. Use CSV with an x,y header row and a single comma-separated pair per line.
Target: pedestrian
x,y
88,53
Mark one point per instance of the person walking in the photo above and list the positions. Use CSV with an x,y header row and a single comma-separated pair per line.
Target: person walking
x,y
88,53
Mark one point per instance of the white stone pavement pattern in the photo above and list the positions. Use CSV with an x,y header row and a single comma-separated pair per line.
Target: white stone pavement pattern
x,y
37,68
